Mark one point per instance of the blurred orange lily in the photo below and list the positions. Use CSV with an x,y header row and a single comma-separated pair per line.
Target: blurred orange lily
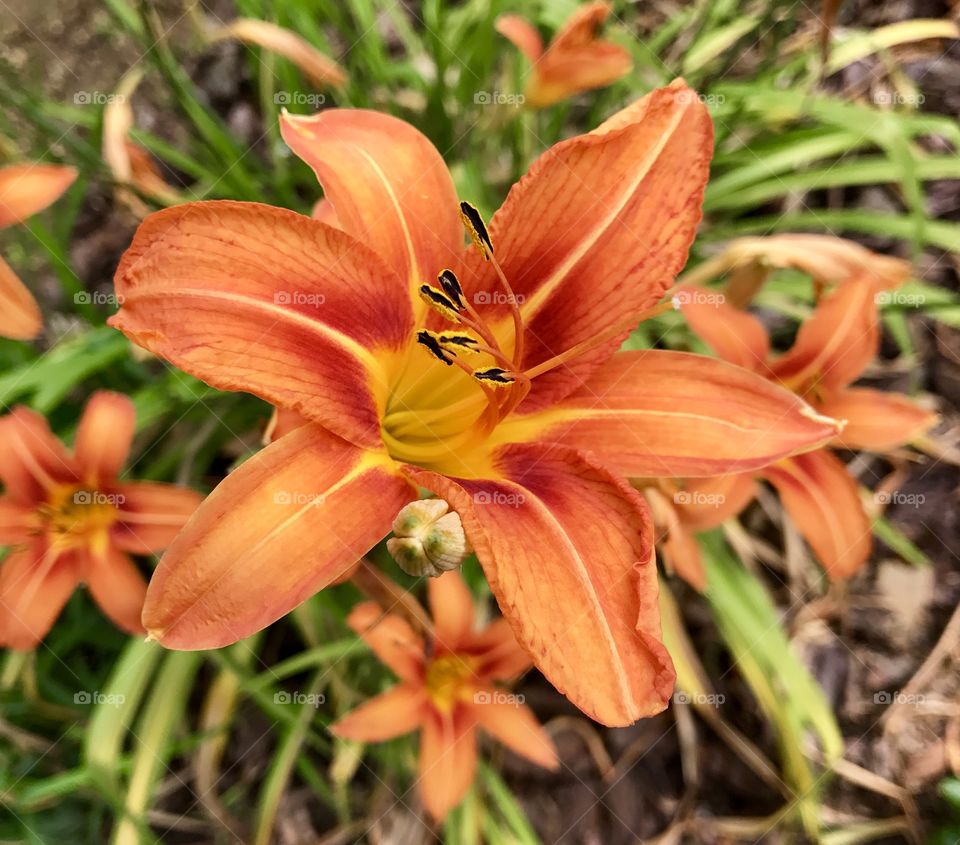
x,y
832,349
447,690
515,418
576,60
69,518
25,189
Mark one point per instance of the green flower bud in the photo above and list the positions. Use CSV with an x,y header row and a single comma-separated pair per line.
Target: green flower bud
x,y
428,538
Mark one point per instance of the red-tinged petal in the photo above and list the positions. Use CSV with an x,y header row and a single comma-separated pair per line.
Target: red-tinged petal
x,y
28,188
500,656
104,436
391,638
18,522
250,297
151,515
32,460
596,232
734,335
876,420
396,712
117,587
514,725
822,500
663,414
34,587
835,343
568,551
448,761
522,34
705,503
284,525
451,606
20,317
389,185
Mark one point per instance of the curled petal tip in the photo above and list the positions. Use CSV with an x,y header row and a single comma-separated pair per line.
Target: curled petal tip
x,y
154,635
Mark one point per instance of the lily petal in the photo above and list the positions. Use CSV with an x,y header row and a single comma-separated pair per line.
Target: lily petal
x,y
391,638
705,503
734,335
680,552
522,34
448,761
118,588
28,188
34,587
662,414
516,727
241,561
32,460
451,607
876,420
20,317
17,522
501,657
396,712
568,552
822,500
255,298
151,515
104,436
583,247
389,185
835,343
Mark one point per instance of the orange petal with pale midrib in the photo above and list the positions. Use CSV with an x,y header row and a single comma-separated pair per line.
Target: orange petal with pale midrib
x,y
151,514
876,420
393,713
514,725
104,436
117,587
391,638
254,298
32,459
663,414
279,528
448,761
567,549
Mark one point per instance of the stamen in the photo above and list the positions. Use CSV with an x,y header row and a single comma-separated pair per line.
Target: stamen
x,y
451,286
461,342
431,342
439,302
477,229
497,376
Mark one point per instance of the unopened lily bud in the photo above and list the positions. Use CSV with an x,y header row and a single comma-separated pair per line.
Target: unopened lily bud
x,y
428,538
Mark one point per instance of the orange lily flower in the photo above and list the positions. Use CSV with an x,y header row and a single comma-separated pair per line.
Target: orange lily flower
x,y
25,189
69,518
832,349
576,60
447,691
339,325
